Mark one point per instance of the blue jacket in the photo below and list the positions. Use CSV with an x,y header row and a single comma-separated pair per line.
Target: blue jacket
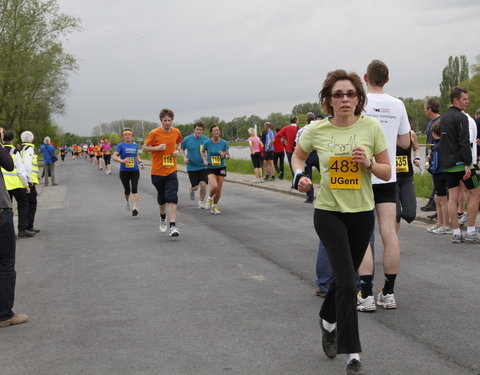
x,y
48,151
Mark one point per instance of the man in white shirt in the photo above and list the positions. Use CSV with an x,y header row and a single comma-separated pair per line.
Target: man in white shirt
x,y
392,115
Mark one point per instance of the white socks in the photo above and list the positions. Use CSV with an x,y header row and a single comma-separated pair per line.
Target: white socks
x,y
470,230
353,356
329,327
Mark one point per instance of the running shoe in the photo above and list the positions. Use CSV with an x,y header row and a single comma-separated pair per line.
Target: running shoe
x,y
386,301
458,238
209,203
462,219
329,341
127,206
432,228
355,367
192,194
442,230
365,304
173,232
214,210
472,237
134,212
163,226
201,205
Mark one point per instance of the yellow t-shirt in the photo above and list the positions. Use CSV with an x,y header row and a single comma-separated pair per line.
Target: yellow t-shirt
x,y
163,162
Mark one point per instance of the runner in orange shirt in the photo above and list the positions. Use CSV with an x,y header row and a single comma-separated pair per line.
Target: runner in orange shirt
x,y
164,143
99,154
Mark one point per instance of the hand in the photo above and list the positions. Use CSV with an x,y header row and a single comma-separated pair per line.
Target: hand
x,y
222,154
360,156
304,184
417,163
142,165
162,147
186,160
205,162
467,174
175,153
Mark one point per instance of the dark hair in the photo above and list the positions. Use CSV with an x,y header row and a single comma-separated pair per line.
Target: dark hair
x,y
166,112
456,93
293,119
8,136
214,126
277,129
377,73
199,124
319,116
436,128
341,75
433,104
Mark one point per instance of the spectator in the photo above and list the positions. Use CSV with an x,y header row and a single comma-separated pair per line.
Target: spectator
x,y
48,152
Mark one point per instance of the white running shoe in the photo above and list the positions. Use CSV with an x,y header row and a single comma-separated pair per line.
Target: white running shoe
x,y
192,194
209,203
472,237
173,232
432,228
127,206
214,210
365,304
386,301
163,226
201,205
442,230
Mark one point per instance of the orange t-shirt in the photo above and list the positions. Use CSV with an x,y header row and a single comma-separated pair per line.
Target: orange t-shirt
x,y
98,150
163,162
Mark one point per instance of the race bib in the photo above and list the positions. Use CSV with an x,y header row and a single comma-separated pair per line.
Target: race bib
x,y
168,161
130,163
216,160
402,164
344,173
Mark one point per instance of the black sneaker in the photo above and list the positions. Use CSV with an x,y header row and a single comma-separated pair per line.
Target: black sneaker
x,y
355,368
329,341
26,233
429,207
280,176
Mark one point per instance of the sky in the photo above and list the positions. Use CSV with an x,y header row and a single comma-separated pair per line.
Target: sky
x,y
232,58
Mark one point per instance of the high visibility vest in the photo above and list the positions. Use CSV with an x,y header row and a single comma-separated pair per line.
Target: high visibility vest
x,y
12,179
25,145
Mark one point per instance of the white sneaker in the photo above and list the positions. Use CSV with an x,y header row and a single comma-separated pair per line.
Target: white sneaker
x,y
365,304
163,226
432,228
173,232
201,205
214,210
192,195
386,301
209,203
442,230
472,237
127,206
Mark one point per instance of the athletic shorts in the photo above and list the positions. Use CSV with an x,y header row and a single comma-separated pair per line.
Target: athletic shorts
x,y
167,188
385,193
268,155
92,156
99,157
454,178
107,159
198,176
440,184
256,160
218,171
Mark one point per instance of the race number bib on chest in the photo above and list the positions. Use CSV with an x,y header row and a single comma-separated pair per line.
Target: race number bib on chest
x,y
402,164
344,173
168,161
216,160
130,163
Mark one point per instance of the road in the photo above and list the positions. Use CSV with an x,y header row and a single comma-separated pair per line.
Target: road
x,y
234,294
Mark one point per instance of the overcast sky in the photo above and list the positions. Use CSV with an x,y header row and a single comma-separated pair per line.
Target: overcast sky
x,y
230,58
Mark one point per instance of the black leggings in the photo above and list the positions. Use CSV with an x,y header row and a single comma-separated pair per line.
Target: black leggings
x,y
278,160
346,237
126,177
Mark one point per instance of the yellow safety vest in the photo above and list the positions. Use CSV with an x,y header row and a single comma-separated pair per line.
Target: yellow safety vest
x,y
12,180
35,179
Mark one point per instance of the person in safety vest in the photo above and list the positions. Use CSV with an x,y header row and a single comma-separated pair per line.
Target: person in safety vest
x,y
30,161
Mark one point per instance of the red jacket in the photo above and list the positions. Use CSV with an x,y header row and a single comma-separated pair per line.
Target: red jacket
x,y
289,132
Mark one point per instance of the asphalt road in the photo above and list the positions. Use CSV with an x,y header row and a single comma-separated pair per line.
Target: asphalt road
x,y
107,293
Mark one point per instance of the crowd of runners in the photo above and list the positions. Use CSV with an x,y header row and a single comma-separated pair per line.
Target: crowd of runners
x,y
365,152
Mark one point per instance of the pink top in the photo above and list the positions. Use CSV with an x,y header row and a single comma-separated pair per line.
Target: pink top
x,y
255,144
